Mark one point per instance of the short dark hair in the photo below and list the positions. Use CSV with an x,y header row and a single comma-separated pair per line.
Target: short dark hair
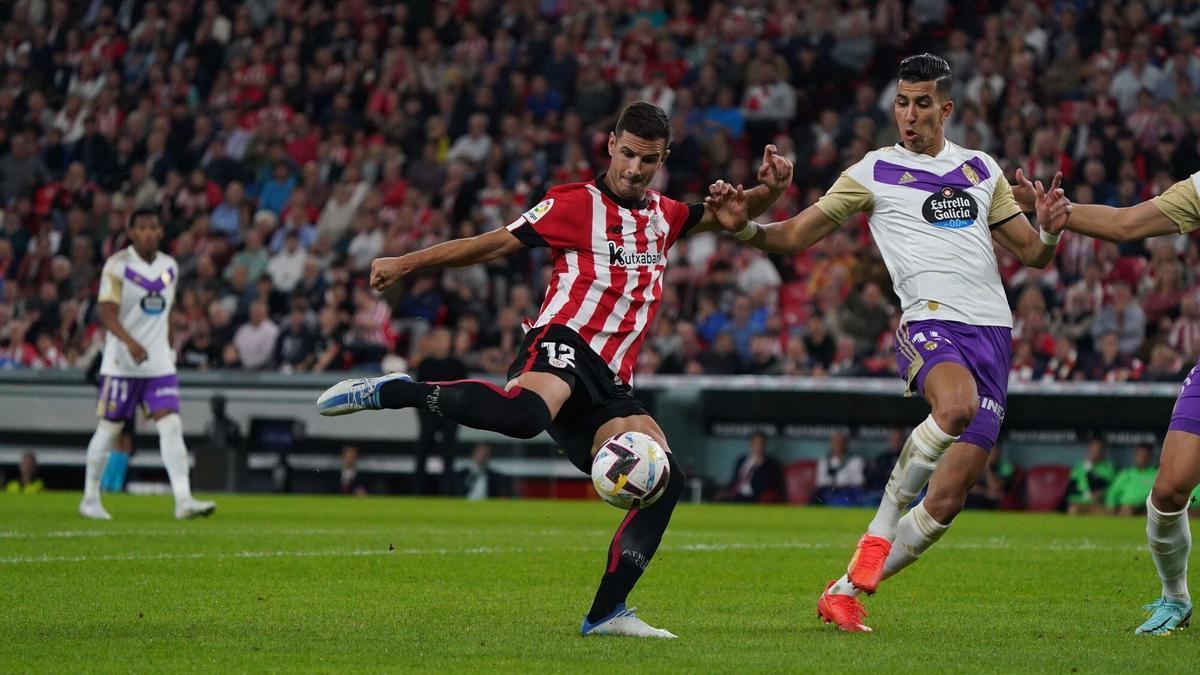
x,y
644,119
140,212
927,68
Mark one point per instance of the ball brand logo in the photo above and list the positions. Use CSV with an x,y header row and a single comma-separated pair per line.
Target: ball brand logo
x,y
618,257
950,208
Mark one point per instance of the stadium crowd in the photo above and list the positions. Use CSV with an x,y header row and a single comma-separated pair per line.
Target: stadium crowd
x,y
286,143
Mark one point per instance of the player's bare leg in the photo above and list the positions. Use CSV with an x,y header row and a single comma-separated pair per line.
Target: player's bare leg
x,y
634,544
1167,532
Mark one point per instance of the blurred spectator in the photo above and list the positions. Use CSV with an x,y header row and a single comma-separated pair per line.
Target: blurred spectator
x,y
349,482
1124,317
1129,490
1109,364
294,346
879,470
26,481
1090,480
839,474
478,480
757,476
255,340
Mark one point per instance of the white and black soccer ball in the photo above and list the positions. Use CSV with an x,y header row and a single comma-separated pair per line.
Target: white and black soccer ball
x,y
630,471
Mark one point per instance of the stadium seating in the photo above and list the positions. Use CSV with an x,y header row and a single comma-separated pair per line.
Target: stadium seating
x,y
1046,486
801,480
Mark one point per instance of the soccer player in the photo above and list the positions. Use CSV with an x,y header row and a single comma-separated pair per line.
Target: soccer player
x,y
1177,210
137,288
609,239
934,209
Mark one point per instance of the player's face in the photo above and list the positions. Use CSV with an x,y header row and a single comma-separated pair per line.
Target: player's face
x,y
920,115
145,232
634,163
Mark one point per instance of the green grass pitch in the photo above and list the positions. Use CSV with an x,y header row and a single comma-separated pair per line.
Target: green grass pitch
x,y
384,584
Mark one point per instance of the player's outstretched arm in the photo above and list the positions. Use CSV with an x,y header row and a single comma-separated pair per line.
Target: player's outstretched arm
x,y
385,272
110,318
729,205
1032,247
1119,225
774,177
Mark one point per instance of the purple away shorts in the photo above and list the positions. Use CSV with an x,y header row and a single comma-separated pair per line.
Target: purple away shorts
x,y
1186,416
120,396
985,351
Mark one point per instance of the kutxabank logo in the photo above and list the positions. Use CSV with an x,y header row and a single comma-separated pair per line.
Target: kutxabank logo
x,y
950,208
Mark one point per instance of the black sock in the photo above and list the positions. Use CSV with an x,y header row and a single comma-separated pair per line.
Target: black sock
x,y
481,405
634,545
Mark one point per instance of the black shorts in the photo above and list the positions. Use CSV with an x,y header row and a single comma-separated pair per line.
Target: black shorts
x,y
596,395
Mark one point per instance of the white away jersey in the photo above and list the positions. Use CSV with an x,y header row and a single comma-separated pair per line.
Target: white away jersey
x,y
932,218
144,293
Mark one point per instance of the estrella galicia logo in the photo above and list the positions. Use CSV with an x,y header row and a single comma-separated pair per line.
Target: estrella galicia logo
x,y
153,304
618,257
950,208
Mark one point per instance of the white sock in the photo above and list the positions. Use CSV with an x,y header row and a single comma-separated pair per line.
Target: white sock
x,y
1170,541
844,587
174,455
924,447
97,456
916,533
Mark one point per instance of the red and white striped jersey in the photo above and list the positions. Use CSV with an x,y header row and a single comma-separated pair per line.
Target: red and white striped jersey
x,y
609,257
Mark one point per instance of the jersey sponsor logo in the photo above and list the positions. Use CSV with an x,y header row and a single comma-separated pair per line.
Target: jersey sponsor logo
x,y
618,257
535,214
153,304
950,208
906,178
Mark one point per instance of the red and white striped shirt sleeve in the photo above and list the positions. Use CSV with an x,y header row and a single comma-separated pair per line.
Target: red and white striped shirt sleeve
x,y
555,222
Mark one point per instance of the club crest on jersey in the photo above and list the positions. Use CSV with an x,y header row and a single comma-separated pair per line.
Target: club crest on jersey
x,y
535,214
617,257
153,304
950,208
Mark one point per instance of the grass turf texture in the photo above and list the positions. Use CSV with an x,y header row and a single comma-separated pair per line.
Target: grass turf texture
x,y
309,583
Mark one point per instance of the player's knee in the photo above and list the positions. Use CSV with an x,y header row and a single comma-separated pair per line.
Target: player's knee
x,y
954,416
527,416
1168,497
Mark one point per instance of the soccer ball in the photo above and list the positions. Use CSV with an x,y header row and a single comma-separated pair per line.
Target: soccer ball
x,y
630,471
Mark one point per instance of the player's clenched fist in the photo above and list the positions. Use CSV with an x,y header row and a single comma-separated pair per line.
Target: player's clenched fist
x,y
385,272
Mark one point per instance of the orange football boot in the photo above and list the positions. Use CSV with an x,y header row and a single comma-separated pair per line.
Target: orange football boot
x,y
843,610
866,567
